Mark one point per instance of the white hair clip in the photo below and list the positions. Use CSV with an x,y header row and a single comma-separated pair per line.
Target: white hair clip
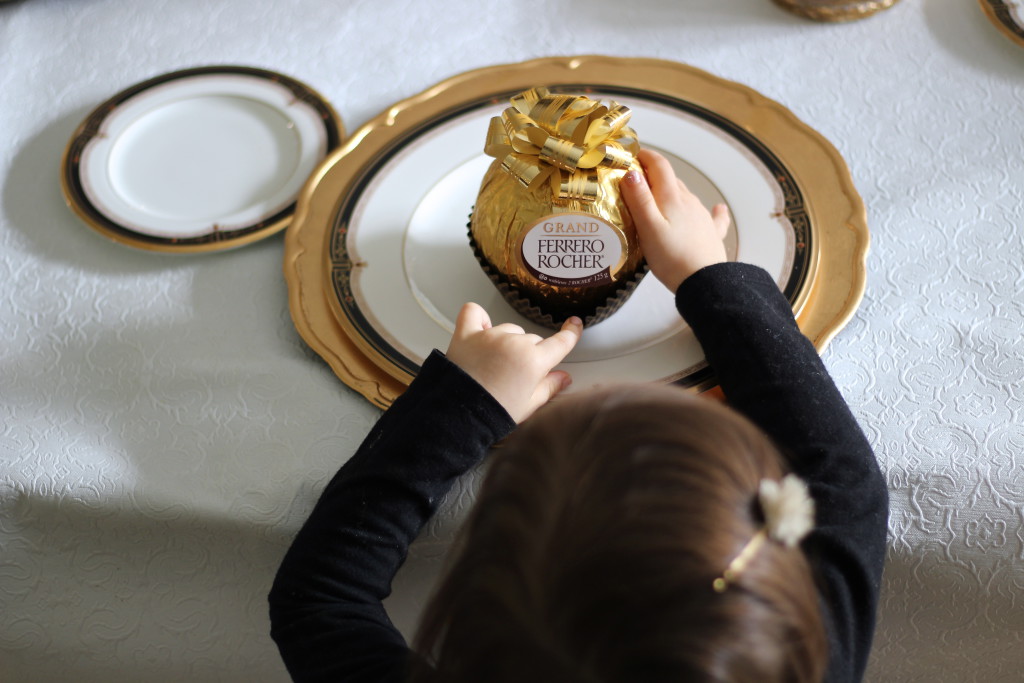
x,y
788,517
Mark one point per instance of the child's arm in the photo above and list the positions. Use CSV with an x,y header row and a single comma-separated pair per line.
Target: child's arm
x,y
771,372
325,606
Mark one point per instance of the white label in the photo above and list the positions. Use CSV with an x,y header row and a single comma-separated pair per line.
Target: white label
x,y
571,250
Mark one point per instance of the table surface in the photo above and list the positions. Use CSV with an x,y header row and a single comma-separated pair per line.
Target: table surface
x,y
164,430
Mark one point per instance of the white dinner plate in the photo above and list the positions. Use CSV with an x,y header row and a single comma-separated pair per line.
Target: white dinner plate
x,y
202,159
402,265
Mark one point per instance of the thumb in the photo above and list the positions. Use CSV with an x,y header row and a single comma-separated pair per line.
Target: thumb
x,y
721,217
550,386
472,318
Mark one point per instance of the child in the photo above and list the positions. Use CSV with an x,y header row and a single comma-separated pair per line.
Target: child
x,y
625,534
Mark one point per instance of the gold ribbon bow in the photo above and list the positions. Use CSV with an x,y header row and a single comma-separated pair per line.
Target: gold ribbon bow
x,y
561,140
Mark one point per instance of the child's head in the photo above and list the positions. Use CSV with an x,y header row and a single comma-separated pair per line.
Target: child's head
x,y
598,533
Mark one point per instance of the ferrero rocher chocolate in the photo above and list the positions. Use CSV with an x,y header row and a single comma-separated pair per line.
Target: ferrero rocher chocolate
x,y
549,226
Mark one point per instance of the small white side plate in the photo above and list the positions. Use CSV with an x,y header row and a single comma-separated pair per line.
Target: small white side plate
x,y
1007,16
206,156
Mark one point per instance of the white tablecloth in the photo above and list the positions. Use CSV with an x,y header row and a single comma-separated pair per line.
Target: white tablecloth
x,y
164,430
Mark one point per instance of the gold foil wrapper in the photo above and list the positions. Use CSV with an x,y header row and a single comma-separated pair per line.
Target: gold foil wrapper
x,y
558,163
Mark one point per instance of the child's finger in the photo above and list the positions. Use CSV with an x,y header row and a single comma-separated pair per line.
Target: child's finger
x,y
665,186
509,328
721,217
472,318
639,199
556,347
549,387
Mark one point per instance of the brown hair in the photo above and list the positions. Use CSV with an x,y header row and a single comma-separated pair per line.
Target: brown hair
x,y
590,556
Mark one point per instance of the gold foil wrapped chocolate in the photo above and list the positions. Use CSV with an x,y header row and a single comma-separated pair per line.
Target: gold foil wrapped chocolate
x,y
549,227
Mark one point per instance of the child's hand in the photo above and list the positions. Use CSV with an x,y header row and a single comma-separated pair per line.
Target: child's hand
x,y
678,236
514,367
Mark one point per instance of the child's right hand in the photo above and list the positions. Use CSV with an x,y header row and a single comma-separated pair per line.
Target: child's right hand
x,y
516,368
678,236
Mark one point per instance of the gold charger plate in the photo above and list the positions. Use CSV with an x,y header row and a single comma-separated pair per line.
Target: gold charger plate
x,y
1008,17
826,295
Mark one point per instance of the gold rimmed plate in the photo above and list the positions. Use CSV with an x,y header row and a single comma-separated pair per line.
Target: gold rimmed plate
x,y
201,159
1008,17
836,10
378,262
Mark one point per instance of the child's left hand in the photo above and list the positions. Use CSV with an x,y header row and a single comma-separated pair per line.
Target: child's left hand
x,y
514,367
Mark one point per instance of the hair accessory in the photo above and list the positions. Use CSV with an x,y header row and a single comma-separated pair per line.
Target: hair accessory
x,y
788,517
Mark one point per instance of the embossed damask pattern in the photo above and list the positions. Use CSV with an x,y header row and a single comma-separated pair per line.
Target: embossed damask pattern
x,y
164,431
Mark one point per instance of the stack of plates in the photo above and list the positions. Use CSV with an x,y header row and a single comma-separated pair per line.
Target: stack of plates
x,y
378,262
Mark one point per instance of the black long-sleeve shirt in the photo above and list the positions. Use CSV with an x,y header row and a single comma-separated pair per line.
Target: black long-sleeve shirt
x,y
326,611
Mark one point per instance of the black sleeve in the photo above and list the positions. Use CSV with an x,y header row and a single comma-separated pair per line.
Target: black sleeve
x,y
325,605
770,372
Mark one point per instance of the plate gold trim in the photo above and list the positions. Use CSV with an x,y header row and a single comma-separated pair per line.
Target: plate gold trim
x,y
836,282
77,198
836,11
999,13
